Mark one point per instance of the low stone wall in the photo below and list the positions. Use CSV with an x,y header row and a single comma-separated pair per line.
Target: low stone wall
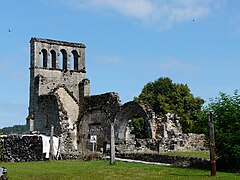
x,y
21,148
174,160
192,142
83,157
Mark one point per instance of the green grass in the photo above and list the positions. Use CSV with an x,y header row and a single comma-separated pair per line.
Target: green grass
x,y
71,170
200,154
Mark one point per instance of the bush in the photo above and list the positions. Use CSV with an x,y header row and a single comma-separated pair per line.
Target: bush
x,y
226,110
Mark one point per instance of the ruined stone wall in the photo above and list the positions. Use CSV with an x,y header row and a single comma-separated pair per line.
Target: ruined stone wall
x,y
59,109
68,120
173,160
48,114
20,148
168,137
171,137
192,142
95,119
69,104
45,80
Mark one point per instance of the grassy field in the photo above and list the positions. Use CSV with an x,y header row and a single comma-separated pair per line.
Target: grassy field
x,y
103,170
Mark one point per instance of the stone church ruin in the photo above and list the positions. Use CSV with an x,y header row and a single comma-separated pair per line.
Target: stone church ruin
x,y
60,96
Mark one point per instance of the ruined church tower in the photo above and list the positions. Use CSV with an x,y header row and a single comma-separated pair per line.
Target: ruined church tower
x,y
57,74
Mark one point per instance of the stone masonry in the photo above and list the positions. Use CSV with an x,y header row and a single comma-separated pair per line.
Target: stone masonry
x,y
60,96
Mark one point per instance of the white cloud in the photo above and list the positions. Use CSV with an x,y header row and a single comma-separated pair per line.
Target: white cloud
x,y
160,12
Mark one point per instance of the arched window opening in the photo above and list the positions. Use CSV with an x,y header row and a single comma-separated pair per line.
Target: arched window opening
x,y
136,127
64,59
60,61
44,58
53,59
50,65
72,62
75,60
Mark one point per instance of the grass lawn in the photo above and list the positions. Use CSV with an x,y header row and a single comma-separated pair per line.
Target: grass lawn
x,y
103,170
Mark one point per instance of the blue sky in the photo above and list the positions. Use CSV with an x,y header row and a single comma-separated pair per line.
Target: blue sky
x,y
129,43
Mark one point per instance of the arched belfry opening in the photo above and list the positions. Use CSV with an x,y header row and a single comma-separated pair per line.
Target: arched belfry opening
x,y
64,59
53,61
44,58
75,57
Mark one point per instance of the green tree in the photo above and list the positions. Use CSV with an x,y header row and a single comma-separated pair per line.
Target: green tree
x,y
226,113
138,127
200,124
1,148
164,96
14,129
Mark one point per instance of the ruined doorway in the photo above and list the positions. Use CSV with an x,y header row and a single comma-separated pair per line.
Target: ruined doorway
x,y
136,128
132,119
93,123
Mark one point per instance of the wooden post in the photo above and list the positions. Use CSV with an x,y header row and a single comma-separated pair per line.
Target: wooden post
x,y
112,145
51,155
212,145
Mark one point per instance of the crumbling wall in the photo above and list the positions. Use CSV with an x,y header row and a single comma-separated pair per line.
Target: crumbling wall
x,y
20,148
60,109
168,137
171,137
96,117
69,112
48,114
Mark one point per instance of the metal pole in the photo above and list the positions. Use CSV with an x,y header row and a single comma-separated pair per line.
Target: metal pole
x,y
212,145
112,145
51,144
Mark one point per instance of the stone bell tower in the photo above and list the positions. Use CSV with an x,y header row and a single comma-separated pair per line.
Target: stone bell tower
x,y
53,65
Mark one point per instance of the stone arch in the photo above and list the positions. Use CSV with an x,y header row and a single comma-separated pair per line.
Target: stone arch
x,y
44,58
53,59
128,110
64,59
75,60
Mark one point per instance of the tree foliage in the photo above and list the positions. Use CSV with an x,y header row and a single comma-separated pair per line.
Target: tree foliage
x,y
226,113
164,96
138,127
14,129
